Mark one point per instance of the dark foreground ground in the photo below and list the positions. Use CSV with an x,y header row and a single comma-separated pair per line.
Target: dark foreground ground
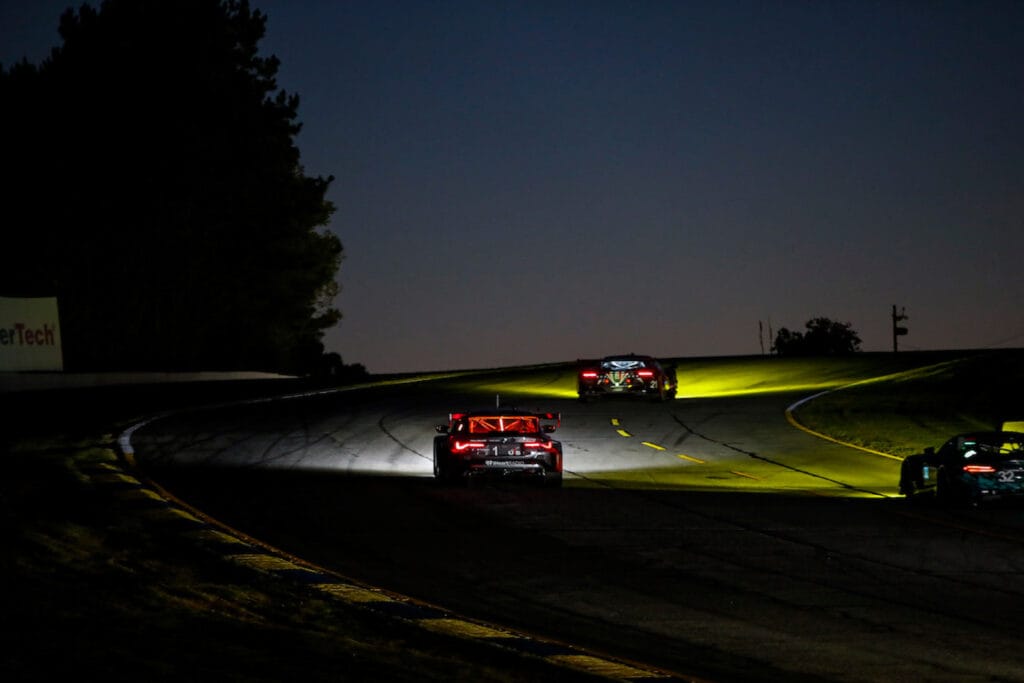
x,y
90,588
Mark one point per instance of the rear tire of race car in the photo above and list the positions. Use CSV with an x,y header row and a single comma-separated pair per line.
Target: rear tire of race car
x,y
552,480
944,493
913,495
444,477
941,489
443,474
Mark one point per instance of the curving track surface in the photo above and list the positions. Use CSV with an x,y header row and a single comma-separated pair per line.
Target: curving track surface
x,y
706,537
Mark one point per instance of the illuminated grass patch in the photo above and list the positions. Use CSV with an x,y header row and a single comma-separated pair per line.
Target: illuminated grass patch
x,y
904,412
763,375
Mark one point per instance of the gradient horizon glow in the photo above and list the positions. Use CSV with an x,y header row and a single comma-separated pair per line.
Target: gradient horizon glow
x,y
532,182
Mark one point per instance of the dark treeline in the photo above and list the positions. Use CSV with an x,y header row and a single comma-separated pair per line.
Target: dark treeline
x,y
152,183
823,337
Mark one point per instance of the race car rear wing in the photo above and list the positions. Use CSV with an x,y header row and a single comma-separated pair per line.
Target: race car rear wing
x,y
506,421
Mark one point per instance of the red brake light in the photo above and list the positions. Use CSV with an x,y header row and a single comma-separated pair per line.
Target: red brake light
x,y
589,374
546,445
459,445
979,469
645,373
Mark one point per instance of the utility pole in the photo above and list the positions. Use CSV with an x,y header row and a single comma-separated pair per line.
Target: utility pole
x,y
897,329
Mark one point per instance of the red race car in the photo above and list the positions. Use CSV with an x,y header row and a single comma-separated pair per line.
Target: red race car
x,y
626,375
499,442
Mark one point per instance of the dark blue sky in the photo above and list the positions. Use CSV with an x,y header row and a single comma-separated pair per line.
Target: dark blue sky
x,y
522,182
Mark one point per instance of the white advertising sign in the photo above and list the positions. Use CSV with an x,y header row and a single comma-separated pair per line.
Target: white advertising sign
x,y
30,334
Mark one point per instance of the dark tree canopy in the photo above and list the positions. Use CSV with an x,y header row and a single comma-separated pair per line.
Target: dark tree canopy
x,y
152,183
822,338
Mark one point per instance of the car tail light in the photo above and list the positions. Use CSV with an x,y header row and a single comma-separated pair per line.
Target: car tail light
x,y
460,446
542,445
589,374
979,469
647,374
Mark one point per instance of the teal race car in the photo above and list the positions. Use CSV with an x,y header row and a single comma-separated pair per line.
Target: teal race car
x,y
969,468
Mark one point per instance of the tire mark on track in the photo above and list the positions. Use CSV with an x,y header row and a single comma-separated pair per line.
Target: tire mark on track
x,y
401,444
777,463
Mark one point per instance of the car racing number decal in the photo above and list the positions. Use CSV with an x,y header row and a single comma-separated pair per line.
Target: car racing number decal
x,y
1008,476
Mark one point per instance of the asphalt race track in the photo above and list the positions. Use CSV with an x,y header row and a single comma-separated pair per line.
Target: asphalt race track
x,y
708,537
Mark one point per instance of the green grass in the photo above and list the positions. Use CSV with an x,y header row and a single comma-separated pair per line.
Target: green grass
x,y
903,412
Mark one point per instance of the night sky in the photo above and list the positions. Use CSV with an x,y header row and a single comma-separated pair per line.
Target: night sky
x,y
530,182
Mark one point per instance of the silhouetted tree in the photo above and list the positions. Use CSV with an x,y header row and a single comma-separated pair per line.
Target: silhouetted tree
x,y
332,370
152,182
788,343
823,337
